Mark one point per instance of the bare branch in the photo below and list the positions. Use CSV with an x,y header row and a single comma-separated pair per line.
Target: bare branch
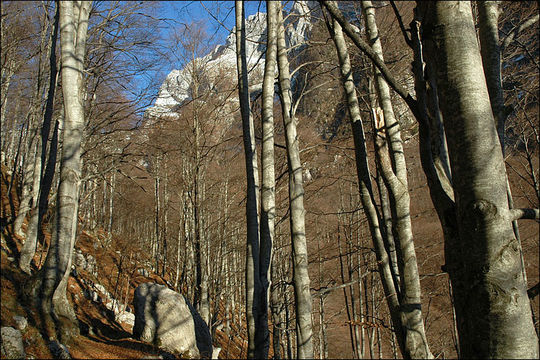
x,y
401,26
508,39
531,214
332,8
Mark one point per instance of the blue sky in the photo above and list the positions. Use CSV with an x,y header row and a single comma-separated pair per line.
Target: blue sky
x,y
195,11
179,13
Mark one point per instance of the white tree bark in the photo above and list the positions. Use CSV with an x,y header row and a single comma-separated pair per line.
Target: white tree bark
x,y
268,210
394,174
51,281
253,284
492,306
364,178
304,326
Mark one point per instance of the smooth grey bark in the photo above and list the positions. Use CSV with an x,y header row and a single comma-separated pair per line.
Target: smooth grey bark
x,y
157,212
47,167
488,19
27,190
492,308
31,156
29,247
364,178
394,172
386,230
488,12
49,284
303,303
7,74
432,144
268,207
111,203
10,147
253,284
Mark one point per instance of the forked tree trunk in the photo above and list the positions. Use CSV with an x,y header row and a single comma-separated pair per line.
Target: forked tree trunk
x,y
253,284
364,179
268,210
394,172
492,307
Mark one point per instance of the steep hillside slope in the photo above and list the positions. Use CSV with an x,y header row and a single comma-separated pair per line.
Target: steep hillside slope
x,y
94,290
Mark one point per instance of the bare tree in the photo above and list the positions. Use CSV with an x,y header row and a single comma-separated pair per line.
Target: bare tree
x,y
394,173
303,302
49,284
268,207
486,270
47,167
409,346
253,283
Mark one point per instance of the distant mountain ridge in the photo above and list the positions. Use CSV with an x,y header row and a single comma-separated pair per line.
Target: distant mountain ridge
x,y
177,87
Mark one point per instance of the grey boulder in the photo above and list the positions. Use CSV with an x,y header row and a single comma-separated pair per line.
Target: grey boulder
x,y
12,343
165,318
20,322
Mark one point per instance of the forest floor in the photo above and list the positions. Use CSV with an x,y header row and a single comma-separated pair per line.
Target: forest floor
x,y
101,336
112,340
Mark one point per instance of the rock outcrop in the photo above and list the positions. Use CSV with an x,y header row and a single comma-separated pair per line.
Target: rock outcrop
x,y
20,322
87,263
177,87
166,319
12,343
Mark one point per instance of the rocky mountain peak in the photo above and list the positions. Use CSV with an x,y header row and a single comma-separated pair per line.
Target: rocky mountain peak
x,y
178,86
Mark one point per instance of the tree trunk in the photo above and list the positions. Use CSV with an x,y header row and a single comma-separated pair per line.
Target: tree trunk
x,y
268,209
303,303
157,212
364,179
253,284
394,172
488,12
492,308
48,167
29,248
276,306
51,281
490,50
111,203
27,190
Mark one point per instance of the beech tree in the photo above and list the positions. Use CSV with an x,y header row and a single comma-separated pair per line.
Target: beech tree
x,y
46,164
302,295
403,297
268,202
164,188
48,286
473,210
253,282
492,307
